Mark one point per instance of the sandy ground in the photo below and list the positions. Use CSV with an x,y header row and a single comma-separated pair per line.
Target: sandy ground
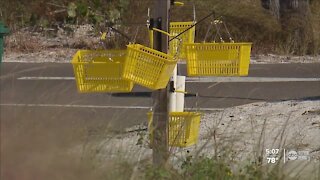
x,y
57,55
29,46
244,132
275,59
64,55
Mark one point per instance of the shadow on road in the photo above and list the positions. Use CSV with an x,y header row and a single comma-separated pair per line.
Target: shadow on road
x,y
149,94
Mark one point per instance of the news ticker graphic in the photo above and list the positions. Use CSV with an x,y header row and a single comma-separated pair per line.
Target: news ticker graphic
x,y
274,155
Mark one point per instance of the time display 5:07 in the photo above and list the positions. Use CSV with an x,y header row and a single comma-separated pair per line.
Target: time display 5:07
x,y
272,155
272,151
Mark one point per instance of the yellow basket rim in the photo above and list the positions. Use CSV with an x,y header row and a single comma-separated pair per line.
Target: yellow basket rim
x,y
101,50
168,58
75,59
185,113
221,43
182,23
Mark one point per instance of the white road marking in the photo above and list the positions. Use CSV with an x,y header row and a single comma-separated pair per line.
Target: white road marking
x,y
211,86
57,62
204,79
37,62
61,62
250,79
77,106
98,107
46,78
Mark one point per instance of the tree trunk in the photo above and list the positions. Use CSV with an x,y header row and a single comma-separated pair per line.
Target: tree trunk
x,y
295,18
296,22
273,6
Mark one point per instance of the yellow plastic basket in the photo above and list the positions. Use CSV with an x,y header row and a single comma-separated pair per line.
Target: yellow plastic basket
x,y
218,59
100,71
183,128
187,37
148,67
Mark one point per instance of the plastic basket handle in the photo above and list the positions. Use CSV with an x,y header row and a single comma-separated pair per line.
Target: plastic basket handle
x,y
105,35
217,23
163,32
227,30
136,34
201,20
170,35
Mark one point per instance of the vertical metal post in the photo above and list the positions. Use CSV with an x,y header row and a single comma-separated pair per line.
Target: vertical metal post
x,y
160,97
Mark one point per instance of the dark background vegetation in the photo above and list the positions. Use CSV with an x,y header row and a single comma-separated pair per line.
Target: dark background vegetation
x,y
274,26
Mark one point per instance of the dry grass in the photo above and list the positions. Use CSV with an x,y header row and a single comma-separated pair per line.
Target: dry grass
x,y
56,146
23,42
315,6
246,20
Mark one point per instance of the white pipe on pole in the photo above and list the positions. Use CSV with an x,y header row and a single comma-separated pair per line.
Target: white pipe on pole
x,y
181,86
173,95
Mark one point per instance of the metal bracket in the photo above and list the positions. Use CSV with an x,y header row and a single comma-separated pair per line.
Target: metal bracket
x,y
151,24
172,89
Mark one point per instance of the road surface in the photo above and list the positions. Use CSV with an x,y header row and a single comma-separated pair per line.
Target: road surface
x,y
48,90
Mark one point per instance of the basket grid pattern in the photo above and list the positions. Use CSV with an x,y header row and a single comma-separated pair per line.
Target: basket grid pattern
x,y
187,37
148,67
100,71
183,128
218,59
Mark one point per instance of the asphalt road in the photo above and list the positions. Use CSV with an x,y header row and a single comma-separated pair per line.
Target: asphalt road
x,y
48,90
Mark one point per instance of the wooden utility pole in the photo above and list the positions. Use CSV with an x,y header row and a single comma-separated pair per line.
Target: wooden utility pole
x,y
160,97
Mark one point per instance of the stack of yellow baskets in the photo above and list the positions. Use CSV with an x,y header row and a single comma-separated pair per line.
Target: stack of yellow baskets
x,y
176,47
183,130
118,71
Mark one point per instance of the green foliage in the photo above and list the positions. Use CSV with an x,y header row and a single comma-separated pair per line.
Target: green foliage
x,y
207,168
97,4
123,5
212,168
82,9
157,173
114,15
72,10
251,171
